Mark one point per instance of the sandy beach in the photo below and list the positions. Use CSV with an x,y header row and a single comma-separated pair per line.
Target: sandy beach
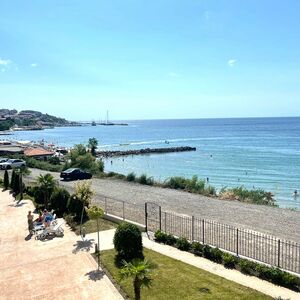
x,y
282,223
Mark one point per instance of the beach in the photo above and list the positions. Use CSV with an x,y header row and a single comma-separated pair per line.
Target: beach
x,y
281,223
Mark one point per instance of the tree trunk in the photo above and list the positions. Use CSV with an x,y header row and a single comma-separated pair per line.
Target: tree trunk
x,y
137,289
21,187
98,243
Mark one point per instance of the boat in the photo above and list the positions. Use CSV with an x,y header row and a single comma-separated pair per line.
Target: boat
x,y
94,123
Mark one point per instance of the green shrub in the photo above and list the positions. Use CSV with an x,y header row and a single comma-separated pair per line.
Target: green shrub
x,y
229,261
160,237
142,179
130,177
170,240
59,201
193,185
70,221
206,251
112,174
290,281
256,196
43,165
183,244
216,255
197,248
54,160
247,267
12,181
128,242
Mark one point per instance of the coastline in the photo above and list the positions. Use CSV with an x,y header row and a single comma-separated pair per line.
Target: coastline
x,y
280,222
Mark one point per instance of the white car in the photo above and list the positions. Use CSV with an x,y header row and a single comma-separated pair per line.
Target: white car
x,y
12,163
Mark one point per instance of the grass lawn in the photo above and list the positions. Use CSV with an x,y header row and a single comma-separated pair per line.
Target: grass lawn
x,y
91,226
176,280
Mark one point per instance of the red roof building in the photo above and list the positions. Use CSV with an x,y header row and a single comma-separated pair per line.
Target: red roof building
x,y
38,153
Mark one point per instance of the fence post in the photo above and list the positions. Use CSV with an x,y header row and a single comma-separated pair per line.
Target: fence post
x,y
123,210
193,234
159,217
237,242
203,231
146,215
165,222
105,205
278,258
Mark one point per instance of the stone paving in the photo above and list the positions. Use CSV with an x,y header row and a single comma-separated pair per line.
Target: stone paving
x,y
59,268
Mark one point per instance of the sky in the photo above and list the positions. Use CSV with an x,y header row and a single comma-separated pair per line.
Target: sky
x,y
151,59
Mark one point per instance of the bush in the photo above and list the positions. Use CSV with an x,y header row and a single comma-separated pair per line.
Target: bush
x,y
197,248
183,244
229,261
59,201
54,160
43,165
130,177
216,255
247,267
193,185
206,251
256,196
70,221
160,237
142,179
170,240
128,242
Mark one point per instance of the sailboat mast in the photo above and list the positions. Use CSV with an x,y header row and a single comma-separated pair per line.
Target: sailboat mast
x,y
107,117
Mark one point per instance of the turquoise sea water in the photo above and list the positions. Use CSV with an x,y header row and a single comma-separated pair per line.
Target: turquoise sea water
x,y
254,152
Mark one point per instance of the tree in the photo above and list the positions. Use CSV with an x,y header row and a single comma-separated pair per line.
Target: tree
x,y
128,242
80,158
23,171
92,145
139,270
95,213
84,192
47,185
6,180
12,181
59,200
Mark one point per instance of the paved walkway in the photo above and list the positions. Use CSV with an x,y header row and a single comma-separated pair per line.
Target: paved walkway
x,y
57,268
282,223
106,242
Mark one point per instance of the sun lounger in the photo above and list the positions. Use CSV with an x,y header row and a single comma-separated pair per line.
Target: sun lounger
x,y
54,229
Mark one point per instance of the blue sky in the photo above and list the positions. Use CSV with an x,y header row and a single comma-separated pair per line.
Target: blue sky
x,y
151,59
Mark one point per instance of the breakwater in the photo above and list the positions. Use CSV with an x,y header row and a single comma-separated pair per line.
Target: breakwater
x,y
144,151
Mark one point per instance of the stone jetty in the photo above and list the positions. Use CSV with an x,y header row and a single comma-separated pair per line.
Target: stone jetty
x,y
144,151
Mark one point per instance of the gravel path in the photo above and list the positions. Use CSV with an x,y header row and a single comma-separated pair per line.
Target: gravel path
x,y
282,223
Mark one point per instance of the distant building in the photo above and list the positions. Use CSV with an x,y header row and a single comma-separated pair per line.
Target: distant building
x,y
38,153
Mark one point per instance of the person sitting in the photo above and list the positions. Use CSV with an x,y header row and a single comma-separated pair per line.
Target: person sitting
x,y
39,219
47,218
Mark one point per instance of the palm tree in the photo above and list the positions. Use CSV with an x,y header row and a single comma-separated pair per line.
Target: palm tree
x,y
47,184
139,271
95,213
93,143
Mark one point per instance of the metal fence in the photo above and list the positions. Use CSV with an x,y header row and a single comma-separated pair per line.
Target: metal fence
x,y
241,242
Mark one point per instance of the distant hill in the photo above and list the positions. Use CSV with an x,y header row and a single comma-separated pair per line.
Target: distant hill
x,y
30,119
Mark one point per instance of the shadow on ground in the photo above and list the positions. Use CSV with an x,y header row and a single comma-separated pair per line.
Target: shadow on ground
x,y
95,275
84,245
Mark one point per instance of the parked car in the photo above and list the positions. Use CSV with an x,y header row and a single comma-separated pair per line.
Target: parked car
x,y
12,163
74,174
2,160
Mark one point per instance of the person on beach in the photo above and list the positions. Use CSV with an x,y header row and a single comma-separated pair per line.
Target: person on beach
x,y
30,222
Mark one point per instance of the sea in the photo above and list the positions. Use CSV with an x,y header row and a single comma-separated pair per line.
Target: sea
x,y
251,152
